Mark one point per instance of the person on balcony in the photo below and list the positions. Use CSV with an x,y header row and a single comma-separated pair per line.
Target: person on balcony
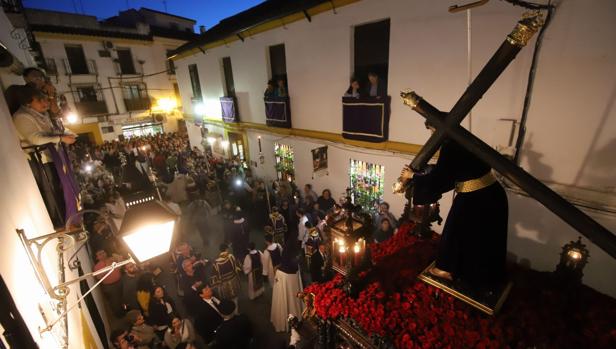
x,y
270,90
35,129
354,89
376,87
281,88
33,77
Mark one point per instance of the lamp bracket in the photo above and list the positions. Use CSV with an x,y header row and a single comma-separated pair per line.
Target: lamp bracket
x,y
34,249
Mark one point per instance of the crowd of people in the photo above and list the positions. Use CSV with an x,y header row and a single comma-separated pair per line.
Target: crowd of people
x,y
200,188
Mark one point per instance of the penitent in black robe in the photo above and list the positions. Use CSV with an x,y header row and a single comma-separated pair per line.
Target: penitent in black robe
x,y
473,245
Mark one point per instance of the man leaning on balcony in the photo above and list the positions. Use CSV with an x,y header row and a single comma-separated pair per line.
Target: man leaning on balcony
x,y
53,174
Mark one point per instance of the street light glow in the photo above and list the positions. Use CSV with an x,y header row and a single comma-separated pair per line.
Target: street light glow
x,y
167,104
199,109
71,118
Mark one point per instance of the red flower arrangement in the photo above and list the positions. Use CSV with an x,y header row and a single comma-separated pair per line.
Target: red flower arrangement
x,y
407,313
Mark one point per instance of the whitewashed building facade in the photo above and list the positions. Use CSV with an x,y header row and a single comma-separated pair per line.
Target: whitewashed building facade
x,y
113,72
569,128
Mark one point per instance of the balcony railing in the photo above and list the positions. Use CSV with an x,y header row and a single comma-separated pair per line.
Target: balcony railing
x,y
12,6
51,67
137,104
56,183
90,67
278,111
137,68
229,109
91,108
366,118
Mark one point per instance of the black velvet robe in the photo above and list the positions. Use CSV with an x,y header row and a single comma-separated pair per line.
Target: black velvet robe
x,y
474,242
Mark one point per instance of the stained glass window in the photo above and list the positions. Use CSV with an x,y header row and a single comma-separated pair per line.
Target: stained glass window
x,y
366,183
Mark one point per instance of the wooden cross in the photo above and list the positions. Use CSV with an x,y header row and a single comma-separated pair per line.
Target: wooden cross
x,y
447,125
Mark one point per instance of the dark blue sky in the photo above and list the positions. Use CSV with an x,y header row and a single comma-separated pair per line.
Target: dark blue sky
x,y
205,12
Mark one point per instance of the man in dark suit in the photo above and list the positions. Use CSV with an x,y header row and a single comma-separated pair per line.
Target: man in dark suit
x,y
377,87
208,316
318,263
235,332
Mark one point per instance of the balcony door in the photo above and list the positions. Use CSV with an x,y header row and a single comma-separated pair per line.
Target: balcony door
x,y
125,60
76,59
236,142
90,100
228,72
135,96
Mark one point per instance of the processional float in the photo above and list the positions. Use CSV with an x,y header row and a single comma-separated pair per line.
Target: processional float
x,y
447,125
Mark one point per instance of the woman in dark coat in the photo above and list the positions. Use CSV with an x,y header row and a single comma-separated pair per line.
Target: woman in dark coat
x,y
473,245
162,310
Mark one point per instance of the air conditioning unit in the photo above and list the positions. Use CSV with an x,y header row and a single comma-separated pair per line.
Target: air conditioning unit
x,y
108,44
104,53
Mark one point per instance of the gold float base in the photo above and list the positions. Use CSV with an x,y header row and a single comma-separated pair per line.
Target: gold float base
x,y
489,305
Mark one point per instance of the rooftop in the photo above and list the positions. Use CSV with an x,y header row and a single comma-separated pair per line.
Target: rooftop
x,y
130,24
245,20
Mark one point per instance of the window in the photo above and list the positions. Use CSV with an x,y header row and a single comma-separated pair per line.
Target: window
x,y
87,94
89,100
134,91
51,67
107,129
145,129
125,59
135,96
228,71
236,140
278,63
366,181
371,51
194,81
285,168
76,59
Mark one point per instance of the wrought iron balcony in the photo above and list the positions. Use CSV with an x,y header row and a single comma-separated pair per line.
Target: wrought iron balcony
x,y
137,104
91,108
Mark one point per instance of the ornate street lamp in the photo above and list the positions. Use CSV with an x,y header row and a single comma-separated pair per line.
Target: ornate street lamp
x,y
147,231
573,258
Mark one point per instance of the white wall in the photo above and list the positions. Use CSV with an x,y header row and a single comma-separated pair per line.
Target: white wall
x,y
21,207
570,126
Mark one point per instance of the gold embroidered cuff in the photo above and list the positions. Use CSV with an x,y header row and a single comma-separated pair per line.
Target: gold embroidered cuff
x,y
475,184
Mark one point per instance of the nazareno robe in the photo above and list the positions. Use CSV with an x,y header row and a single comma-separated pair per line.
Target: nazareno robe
x,y
473,245
287,284
238,234
272,257
253,267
